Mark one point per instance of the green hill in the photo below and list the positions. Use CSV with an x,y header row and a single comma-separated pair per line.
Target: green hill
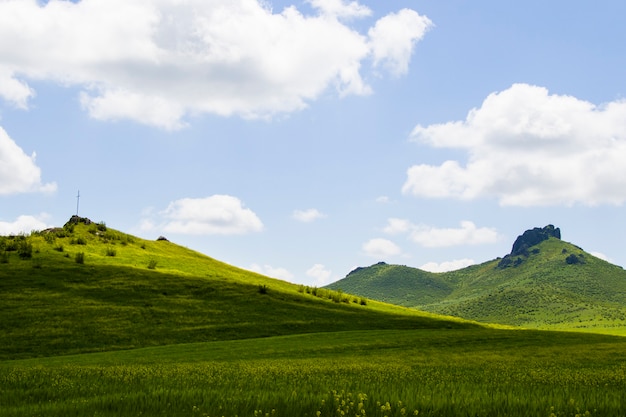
x,y
86,287
547,283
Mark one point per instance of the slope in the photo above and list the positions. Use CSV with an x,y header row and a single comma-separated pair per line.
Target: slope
x,y
550,284
86,287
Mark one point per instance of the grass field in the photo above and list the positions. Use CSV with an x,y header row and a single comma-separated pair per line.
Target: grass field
x,y
464,372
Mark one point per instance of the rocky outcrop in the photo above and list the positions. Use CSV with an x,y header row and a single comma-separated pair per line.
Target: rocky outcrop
x,y
523,244
77,219
533,237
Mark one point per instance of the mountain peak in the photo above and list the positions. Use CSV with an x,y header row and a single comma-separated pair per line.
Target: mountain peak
x,y
525,241
533,237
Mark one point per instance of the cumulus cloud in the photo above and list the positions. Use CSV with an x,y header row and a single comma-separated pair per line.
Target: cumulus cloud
x,y
394,37
18,171
270,271
214,215
307,216
24,224
320,274
527,147
158,61
447,266
397,226
381,248
433,237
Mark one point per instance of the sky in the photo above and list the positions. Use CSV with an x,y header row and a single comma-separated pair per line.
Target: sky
x,y
301,139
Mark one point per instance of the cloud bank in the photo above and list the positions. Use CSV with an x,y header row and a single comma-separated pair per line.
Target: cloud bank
x,y
320,273
433,237
214,215
24,224
158,61
18,171
527,147
381,248
447,265
270,271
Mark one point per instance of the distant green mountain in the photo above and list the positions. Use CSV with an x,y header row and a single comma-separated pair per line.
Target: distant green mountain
x,y
543,283
86,287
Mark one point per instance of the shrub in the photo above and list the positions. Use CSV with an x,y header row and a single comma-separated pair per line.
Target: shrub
x,y
49,237
58,248
152,264
111,252
337,296
4,257
10,245
263,289
25,250
573,259
80,258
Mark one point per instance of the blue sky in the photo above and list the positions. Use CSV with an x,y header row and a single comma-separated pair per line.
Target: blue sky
x,y
302,139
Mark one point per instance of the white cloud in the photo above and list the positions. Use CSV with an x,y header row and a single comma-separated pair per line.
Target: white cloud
x,y
340,9
18,171
270,271
447,266
397,226
394,37
214,215
308,215
527,147
159,61
433,237
383,199
467,234
320,273
24,224
14,90
381,248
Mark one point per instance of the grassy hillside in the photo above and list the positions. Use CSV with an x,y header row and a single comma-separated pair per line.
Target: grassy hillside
x,y
556,285
86,288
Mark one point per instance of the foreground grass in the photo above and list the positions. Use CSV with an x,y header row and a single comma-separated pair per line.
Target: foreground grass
x,y
431,372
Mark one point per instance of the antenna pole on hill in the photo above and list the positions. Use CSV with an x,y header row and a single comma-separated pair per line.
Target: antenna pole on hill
x,y
77,201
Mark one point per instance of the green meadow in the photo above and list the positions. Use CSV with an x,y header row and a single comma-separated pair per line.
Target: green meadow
x,y
437,372
147,328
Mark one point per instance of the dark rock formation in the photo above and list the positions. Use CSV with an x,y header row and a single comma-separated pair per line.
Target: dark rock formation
x,y
162,238
77,219
524,242
533,237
